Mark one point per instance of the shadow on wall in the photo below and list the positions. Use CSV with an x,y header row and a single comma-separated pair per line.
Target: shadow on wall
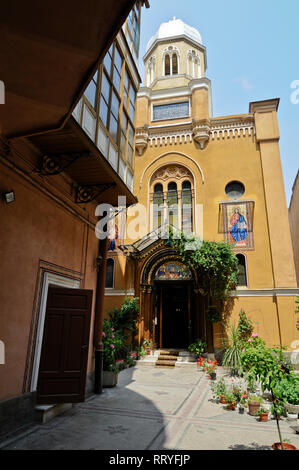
x,y
118,419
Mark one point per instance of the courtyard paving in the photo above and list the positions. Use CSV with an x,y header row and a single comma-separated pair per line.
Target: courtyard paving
x,y
154,409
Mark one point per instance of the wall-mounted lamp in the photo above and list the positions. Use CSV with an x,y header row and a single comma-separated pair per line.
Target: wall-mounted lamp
x,y
9,196
99,261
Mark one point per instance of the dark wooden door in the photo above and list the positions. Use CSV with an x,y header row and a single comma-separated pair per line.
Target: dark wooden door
x,y
63,363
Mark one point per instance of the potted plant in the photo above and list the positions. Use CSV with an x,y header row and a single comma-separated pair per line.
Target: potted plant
x,y
230,400
201,364
131,359
243,402
198,348
219,390
232,355
254,403
147,346
286,445
210,369
113,344
263,414
287,391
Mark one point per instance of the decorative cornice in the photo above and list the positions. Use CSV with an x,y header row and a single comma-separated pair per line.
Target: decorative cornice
x,y
198,131
291,292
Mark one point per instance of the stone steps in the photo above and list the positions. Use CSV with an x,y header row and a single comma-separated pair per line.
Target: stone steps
x,y
162,363
167,358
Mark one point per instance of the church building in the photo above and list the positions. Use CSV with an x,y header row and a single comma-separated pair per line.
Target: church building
x,y
217,177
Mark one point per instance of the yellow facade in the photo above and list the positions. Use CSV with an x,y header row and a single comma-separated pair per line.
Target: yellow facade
x,y
209,153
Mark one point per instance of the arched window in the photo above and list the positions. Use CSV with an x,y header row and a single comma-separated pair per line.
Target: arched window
x,y
187,222
110,273
172,202
158,205
167,64
174,64
171,197
242,276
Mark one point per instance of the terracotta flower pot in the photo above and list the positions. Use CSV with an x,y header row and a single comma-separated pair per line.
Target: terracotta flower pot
x,y
254,406
286,446
264,416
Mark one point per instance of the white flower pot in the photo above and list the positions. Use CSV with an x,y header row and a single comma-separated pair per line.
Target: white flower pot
x,y
292,416
292,408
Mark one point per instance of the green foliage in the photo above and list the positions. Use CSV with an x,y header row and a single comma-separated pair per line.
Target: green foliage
x,y
232,355
125,318
114,347
198,347
213,315
267,365
147,343
230,397
287,390
245,327
218,388
255,399
215,263
116,330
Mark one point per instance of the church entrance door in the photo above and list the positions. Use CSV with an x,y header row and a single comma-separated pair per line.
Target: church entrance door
x,y
175,316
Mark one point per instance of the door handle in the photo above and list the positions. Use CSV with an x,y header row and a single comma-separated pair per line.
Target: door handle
x,y
84,347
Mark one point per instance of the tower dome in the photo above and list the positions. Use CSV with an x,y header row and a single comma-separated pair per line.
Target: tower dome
x,y
174,28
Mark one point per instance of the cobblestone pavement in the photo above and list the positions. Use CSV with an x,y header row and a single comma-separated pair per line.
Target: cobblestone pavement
x,y
153,409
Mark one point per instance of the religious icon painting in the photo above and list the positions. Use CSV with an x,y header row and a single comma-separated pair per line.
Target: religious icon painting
x,y
238,224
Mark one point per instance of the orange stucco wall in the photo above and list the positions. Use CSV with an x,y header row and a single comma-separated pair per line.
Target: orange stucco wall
x,y
34,228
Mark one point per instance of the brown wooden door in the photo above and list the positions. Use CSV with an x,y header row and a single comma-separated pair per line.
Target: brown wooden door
x,y
63,363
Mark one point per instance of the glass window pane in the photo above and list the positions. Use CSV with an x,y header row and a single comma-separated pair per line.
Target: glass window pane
x,y
130,155
105,88
115,105
167,65
132,95
122,169
90,93
113,127
116,79
125,99
124,123
103,111
109,273
108,63
131,135
132,112
123,142
117,60
126,81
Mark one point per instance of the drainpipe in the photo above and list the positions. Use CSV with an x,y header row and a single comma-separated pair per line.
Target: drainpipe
x,y
99,315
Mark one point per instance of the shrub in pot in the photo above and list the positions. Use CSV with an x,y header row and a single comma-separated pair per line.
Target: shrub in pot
x,y
254,403
263,414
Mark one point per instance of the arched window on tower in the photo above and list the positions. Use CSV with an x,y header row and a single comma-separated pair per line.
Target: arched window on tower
x,y
109,273
158,201
242,275
172,202
167,64
186,207
174,64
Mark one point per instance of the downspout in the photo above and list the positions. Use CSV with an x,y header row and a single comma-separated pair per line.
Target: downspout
x,y
99,315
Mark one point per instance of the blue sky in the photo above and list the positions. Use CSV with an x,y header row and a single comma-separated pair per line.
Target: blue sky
x,y
252,53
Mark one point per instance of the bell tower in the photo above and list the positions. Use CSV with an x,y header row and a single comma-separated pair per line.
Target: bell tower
x,y
176,88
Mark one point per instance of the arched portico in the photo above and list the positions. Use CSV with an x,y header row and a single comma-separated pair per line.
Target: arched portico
x,y
172,310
